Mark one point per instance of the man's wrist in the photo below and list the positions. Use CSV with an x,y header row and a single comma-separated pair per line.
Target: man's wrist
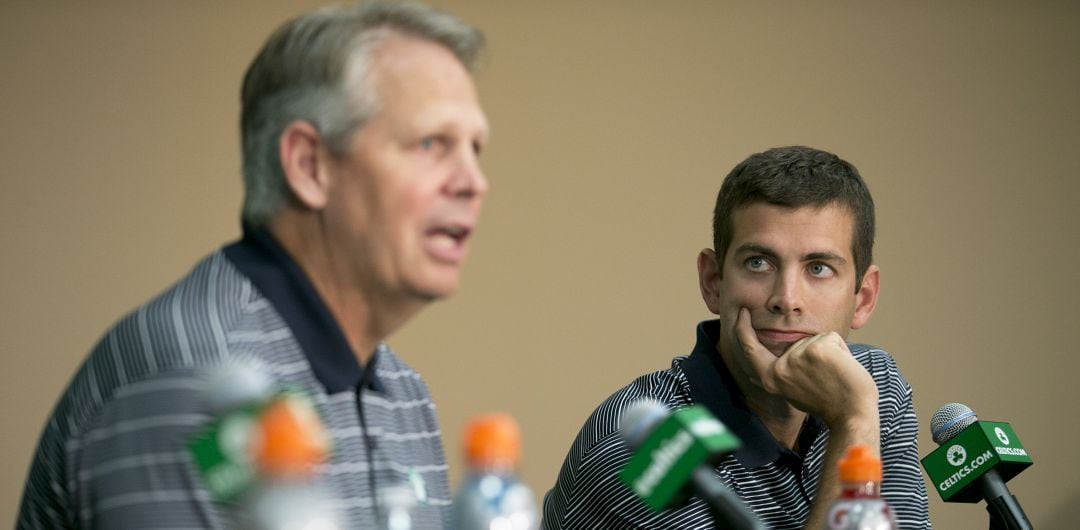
x,y
859,426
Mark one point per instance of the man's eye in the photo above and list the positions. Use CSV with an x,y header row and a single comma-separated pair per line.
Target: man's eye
x,y
821,270
435,143
757,264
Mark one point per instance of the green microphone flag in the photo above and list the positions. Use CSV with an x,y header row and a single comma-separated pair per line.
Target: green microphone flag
x,y
982,446
665,461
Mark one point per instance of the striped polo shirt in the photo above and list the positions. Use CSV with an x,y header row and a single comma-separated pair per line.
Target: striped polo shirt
x,y
113,454
778,484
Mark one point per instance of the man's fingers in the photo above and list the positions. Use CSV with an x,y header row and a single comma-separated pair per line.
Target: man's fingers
x,y
761,359
744,329
794,351
810,352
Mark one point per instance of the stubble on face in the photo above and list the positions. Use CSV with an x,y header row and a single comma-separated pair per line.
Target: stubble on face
x,y
793,269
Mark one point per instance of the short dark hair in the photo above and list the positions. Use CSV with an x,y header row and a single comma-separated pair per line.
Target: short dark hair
x,y
793,177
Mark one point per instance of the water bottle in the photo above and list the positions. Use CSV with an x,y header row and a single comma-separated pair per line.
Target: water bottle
x,y
262,453
491,497
398,502
860,506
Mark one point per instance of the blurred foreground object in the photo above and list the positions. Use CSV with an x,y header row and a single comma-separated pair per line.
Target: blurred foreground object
x,y
492,496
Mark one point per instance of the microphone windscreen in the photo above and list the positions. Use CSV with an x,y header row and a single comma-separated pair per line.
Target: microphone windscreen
x,y
639,419
236,383
949,420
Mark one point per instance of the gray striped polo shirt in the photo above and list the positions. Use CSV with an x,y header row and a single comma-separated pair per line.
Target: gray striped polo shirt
x,y
113,453
776,483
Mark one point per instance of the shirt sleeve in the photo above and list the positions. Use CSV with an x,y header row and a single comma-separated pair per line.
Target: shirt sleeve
x,y
589,494
128,467
903,486
587,487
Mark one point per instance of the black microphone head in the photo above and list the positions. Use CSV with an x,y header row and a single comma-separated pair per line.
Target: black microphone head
x,y
639,419
949,420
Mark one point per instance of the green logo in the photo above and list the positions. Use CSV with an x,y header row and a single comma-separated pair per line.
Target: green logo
x,y
1004,438
222,456
956,455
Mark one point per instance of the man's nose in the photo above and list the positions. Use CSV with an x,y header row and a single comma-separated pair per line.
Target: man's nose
x,y
786,296
468,178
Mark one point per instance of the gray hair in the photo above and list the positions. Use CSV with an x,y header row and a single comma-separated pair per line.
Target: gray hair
x,y
303,72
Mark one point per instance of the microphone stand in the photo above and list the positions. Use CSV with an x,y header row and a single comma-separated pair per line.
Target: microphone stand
x,y
1005,511
727,509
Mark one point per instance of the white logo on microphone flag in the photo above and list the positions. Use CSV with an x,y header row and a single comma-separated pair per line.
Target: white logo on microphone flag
x,y
957,455
1001,435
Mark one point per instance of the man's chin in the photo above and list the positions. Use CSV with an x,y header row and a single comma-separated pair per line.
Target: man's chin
x,y
779,351
435,289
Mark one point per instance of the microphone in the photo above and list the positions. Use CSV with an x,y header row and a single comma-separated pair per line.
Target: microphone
x,y
975,460
674,455
262,449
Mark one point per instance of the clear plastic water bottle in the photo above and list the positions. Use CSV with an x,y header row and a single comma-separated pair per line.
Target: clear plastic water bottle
x,y
398,502
860,506
491,497
262,453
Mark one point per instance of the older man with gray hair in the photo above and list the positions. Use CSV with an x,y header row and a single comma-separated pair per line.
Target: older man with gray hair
x,y
361,135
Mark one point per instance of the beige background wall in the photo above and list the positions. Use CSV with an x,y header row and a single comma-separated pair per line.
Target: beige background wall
x,y
614,123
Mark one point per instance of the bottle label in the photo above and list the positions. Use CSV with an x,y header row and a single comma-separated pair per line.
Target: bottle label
x,y
860,514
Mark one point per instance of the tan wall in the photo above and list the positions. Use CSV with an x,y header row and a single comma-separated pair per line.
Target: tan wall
x,y
614,123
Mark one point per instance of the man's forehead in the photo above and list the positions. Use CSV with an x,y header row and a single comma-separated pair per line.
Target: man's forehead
x,y
419,84
815,228
767,211
399,57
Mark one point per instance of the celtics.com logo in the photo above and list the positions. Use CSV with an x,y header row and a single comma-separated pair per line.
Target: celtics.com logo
x,y
956,455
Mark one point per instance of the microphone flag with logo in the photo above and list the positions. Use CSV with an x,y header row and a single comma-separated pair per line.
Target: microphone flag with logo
x,y
970,449
668,449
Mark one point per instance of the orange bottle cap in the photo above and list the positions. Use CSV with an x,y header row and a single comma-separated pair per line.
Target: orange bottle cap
x,y
860,465
289,438
492,440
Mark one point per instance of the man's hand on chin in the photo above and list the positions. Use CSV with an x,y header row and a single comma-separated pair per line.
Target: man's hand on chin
x,y
817,375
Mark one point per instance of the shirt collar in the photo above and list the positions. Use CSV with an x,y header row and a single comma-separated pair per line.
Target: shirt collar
x,y
274,273
711,384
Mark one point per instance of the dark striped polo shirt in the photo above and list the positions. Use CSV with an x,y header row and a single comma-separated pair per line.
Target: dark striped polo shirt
x,y
113,454
776,483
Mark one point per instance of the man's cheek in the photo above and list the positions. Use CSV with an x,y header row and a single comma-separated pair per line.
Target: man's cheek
x,y
732,306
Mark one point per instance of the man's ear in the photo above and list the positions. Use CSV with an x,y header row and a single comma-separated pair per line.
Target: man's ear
x,y
300,148
709,279
866,298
